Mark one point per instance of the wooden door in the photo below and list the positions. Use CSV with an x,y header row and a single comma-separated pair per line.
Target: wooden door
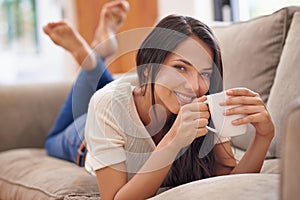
x,y
143,13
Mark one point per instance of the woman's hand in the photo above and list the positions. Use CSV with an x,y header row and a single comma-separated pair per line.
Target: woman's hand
x,y
190,123
253,107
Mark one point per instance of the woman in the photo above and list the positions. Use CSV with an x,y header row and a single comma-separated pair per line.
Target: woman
x,y
143,135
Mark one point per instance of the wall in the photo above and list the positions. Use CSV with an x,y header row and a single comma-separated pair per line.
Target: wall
x,y
143,13
200,9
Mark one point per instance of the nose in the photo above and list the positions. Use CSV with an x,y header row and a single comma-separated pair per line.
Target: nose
x,y
197,84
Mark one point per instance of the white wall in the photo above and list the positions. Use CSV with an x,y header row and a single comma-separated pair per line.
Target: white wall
x,y
200,9
58,63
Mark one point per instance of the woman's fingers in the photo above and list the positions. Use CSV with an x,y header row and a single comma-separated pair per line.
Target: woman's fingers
x,y
199,126
201,132
244,110
254,118
200,123
198,115
196,106
242,100
249,103
241,92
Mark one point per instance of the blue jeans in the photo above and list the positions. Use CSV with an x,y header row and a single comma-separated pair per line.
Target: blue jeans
x,y
67,134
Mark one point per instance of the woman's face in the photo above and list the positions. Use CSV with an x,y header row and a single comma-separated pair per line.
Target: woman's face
x,y
185,75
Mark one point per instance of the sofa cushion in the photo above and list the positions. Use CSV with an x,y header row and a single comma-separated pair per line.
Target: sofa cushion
x,y
31,109
31,174
286,85
271,166
251,52
241,186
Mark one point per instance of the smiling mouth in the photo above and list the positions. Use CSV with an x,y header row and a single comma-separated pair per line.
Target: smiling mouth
x,y
184,99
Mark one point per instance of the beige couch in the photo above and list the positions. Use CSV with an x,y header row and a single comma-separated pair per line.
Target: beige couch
x,y
262,54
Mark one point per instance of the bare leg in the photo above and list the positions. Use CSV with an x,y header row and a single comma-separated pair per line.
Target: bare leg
x,y
64,35
112,16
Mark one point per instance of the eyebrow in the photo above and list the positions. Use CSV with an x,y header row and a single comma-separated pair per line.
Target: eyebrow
x,y
188,63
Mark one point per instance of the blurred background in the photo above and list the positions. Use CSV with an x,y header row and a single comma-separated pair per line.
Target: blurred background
x,y
27,55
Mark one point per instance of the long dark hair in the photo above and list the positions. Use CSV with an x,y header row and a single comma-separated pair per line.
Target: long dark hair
x,y
197,160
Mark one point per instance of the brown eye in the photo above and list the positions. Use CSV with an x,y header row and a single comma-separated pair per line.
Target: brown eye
x,y
180,67
205,74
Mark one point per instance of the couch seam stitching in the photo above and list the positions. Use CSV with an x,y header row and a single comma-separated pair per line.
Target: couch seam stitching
x,y
32,188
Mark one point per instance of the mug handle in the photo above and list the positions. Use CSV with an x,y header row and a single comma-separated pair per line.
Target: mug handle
x,y
210,128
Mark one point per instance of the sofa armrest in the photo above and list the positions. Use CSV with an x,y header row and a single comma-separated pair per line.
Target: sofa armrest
x,y
234,186
28,112
290,182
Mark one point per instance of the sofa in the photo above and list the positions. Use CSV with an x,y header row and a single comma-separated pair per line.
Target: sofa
x,y
261,54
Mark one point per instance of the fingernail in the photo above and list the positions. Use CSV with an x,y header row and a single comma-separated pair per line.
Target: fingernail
x,y
223,103
235,122
229,92
203,98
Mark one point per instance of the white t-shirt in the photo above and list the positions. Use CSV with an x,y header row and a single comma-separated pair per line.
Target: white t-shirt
x,y
114,132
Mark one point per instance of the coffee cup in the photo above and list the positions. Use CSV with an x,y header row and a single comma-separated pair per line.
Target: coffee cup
x,y
223,124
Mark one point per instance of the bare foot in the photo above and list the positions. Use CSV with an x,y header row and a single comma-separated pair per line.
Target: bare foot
x,y
112,16
65,36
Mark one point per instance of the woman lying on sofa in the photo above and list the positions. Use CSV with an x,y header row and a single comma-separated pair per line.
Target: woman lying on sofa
x,y
149,130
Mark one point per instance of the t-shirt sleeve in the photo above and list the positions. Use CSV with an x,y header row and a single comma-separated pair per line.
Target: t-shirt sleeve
x,y
105,142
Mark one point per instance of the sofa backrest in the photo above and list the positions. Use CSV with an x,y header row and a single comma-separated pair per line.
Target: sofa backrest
x,y
286,87
251,53
28,112
290,181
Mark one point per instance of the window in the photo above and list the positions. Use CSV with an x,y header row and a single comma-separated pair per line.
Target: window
x,y
254,8
18,23
26,53
241,10
226,10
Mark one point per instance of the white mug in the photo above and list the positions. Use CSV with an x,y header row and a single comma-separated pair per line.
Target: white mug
x,y
222,123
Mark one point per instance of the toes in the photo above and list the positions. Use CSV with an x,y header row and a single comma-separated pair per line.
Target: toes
x,y
46,29
125,6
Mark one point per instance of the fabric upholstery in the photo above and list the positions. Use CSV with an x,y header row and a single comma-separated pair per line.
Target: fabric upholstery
x,y
286,85
28,112
290,177
251,52
30,174
242,187
271,166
